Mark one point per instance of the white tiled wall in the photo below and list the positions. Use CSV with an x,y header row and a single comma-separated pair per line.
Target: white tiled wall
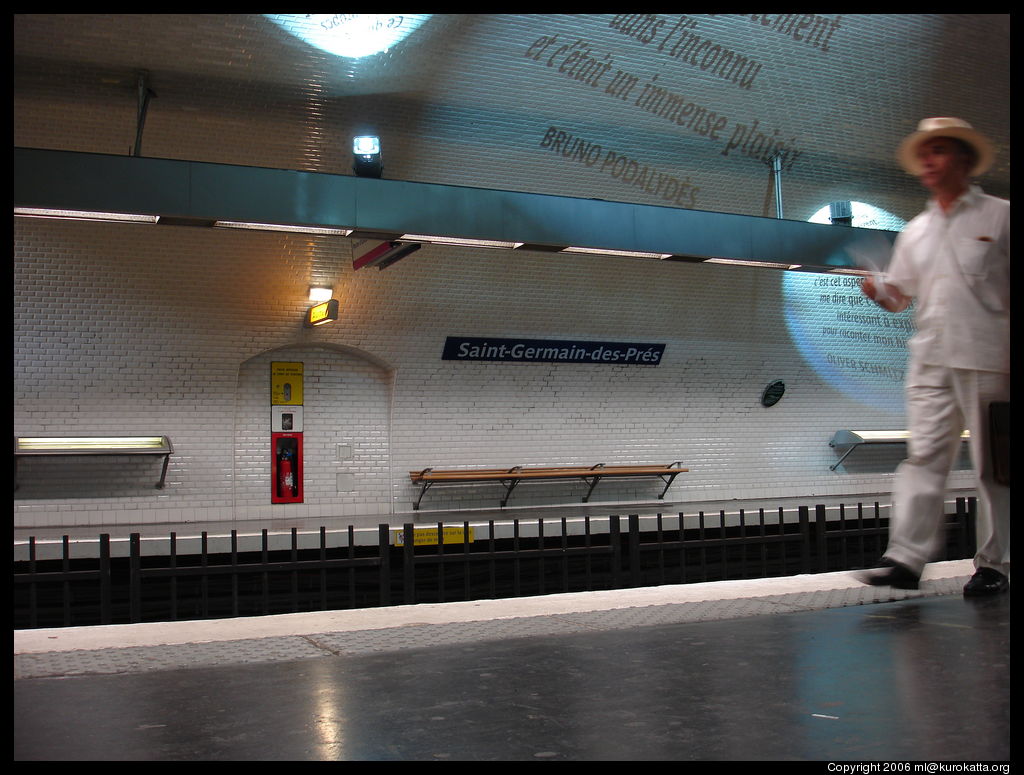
x,y
171,330
137,329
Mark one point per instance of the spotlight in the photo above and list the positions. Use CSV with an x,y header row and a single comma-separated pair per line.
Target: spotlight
x,y
841,213
366,161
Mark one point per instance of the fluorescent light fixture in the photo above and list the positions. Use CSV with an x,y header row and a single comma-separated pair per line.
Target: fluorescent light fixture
x,y
283,227
848,270
463,241
320,293
83,215
87,444
623,253
761,264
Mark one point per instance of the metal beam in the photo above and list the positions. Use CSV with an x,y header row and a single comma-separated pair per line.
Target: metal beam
x,y
199,193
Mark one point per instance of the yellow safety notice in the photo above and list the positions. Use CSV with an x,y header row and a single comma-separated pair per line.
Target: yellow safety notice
x,y
427,536
285,383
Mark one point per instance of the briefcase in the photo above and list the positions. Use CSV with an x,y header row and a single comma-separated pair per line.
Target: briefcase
x,y
999,433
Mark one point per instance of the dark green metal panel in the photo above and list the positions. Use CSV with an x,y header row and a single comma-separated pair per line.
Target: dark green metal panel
x,y
204,192
84,181
223,192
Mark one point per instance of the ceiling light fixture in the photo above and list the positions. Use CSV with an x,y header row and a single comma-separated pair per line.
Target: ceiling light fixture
x,y
330,230
609,252
83,215
461,241
761,264
847,270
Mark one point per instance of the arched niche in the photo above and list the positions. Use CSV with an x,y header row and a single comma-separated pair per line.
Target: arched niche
x,y
347,396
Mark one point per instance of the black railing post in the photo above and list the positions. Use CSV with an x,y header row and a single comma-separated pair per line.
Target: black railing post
x,y
105,581
540,555
492,568
265,575
33,594
440,562
764,544
635,576
743,544
351,554
174,576
234,573
65,564
821,536
805,539
682,548
516,564
615,542
843,562
134,577
723,535
384,564
565,557
409,564
323,568
295,569
972,522
588,565
204,581
467,567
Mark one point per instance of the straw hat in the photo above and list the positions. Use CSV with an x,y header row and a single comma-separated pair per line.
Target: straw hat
x,y
945,127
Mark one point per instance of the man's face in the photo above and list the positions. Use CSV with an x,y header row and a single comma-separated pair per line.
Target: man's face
x,y
944,165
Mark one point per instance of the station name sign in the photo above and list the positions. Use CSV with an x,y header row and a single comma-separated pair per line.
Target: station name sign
x,y
469,348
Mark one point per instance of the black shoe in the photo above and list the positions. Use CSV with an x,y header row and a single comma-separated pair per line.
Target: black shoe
x,y
986,581
889,574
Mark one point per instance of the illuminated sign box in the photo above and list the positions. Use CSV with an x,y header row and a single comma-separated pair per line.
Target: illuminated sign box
x,y
325,312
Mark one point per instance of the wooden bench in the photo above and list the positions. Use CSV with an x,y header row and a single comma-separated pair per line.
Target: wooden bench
x,y
33,446
510,477
851,440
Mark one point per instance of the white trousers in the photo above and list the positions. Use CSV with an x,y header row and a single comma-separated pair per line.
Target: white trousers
x,y
941,402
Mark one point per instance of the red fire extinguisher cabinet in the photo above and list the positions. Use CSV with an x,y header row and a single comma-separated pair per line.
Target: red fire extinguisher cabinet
x,y
286,468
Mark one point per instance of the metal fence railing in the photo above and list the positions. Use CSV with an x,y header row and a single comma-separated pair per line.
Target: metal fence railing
x,y
456,561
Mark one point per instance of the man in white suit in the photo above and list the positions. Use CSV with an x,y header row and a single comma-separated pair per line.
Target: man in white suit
x,y
954,260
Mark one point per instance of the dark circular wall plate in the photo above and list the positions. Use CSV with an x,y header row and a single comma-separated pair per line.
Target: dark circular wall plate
x,y
773,393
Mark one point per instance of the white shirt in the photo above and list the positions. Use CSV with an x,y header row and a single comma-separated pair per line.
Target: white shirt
x,y
957,267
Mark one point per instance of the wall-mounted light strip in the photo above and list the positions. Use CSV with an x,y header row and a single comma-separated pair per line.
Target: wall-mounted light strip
x,y
83,215
36,444
282,227
461,241
622,253
761,264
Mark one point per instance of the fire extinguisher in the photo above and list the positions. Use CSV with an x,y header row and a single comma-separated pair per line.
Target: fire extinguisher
x,y
286,484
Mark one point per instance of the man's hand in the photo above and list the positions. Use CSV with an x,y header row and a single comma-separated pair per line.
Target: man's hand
x,y
886,296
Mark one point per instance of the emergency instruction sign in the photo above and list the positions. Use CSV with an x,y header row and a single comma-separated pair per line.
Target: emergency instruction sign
x,y
285,383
